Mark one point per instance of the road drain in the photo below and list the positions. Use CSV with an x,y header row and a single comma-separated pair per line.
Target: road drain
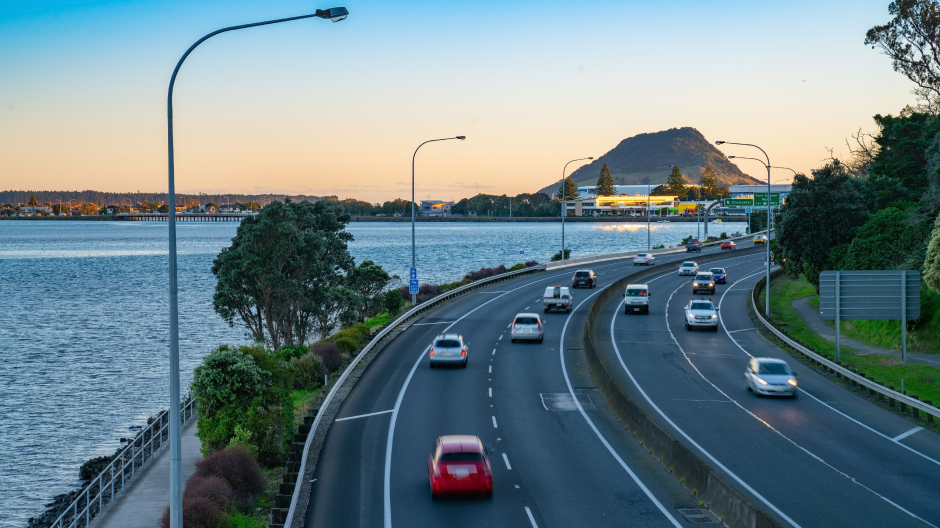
x,y
698,515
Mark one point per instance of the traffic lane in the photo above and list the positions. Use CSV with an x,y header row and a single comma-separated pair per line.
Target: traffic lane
x,y
807,425
695,407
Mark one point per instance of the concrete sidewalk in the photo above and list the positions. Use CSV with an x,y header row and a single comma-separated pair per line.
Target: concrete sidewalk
x,y
144,500
814,322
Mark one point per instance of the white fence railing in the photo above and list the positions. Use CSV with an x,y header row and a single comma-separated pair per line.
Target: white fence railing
x,y
100,491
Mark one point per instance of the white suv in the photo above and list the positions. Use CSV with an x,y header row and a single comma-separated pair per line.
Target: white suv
x,y
701,313
636,299
688,268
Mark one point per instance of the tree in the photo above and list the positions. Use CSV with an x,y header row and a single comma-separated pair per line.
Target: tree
x,y
211,207
367,280
88,209
33,201
285,267
605,183
164,208
884,242
903,144
932,262
675,183
821,213
912,41
711,187
568,190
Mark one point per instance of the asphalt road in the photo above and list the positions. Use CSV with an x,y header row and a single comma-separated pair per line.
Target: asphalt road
x,y
825,458
555,462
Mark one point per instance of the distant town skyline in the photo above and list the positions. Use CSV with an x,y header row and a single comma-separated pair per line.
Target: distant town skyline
x,y
337,109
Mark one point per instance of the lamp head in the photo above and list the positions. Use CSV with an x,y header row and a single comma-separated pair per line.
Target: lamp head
x,y
461,137
731,157
334,13
719,142
592,157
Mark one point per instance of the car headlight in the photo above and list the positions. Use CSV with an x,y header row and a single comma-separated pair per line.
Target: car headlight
x,y
711,283
694,284
761,381
792,382
714,316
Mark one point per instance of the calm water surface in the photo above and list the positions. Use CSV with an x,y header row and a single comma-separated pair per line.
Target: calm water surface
x,y
83,337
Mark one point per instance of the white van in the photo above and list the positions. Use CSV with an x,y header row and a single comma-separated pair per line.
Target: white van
x,y
557,298
636,299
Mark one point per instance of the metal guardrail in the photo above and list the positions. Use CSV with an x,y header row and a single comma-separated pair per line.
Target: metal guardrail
x,y
627,254
101,490
859,379
404,318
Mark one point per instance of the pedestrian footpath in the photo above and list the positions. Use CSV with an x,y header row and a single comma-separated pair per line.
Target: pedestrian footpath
x,y
144,500
810,316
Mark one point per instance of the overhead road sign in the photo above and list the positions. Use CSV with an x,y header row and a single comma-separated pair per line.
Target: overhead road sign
x,y
870,295
738,202
760,199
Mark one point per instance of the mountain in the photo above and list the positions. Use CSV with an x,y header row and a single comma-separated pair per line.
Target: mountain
x,y
630,162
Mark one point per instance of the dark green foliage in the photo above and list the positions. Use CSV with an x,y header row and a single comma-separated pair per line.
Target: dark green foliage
x,y
227,377
523,205
605,183
290,352
285,267
931,273
308,372
367,280
878,192
346,344
557,256
903,143
393,301
675,184
711,187
883,243
821,213
568,190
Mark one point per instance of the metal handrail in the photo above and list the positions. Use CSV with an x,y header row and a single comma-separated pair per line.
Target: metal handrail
x,y
124,464
871,385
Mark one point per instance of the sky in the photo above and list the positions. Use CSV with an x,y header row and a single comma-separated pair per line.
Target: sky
x,y
320,108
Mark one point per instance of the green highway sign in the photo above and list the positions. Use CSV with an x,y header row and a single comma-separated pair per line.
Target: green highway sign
x,y
760,199
738,202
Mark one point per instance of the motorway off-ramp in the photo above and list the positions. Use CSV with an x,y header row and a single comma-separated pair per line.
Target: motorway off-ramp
x,y
557,463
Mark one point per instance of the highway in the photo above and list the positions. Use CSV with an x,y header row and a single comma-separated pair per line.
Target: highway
x,y
560,458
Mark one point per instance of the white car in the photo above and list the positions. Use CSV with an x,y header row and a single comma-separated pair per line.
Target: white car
x,y
645,259
449,349
770,377
558,298
528,327
636,299
688,268
701,313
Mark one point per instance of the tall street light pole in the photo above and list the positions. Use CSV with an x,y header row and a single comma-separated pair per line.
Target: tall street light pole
x,y
767,285
564,204
649,188
176,474
414,296
776,182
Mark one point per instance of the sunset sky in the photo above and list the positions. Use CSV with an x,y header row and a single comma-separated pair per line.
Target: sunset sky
x,y
319,108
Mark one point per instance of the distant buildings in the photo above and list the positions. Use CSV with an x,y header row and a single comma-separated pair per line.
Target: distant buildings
x,y
435,208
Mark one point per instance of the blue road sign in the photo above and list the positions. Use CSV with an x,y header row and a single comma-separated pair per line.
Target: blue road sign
x,y
413,286
413,273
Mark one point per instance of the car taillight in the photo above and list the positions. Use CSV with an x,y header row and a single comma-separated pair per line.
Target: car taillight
x,y
463,351
539,323
432,351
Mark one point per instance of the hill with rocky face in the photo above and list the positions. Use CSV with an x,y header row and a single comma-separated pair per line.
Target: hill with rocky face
x,y
632,160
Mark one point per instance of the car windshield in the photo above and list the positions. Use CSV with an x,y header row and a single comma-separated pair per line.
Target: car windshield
x,y
526,320
461,457
642,255
717,270
582,274
688,264
774,368
703,277
636,292
447,343
702,306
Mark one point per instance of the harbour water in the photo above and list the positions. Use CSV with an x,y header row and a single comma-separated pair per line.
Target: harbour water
x,y
83,339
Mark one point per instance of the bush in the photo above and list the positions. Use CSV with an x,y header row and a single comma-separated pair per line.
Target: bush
x,y
393,301
213,489
329,352
483,273
291,352
236,467
357,332
723,235
226,377
425,292
198,513
557,256
531,263
346,344
308,371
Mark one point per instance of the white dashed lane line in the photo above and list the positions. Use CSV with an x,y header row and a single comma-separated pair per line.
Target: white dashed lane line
x,y
491,369
531,518
494,422
491,392
506,460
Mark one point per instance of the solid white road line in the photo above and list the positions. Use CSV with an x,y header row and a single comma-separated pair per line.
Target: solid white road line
x,y
610,449
506,460
437,323
740,329
824,404
531,518
363,415
494,422
902,436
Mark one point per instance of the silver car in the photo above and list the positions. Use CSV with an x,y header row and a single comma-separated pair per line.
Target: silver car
x,y
701,313
645,259
528,327
688,268
770,377
449,349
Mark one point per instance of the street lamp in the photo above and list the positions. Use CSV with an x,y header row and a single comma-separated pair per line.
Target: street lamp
x,y
564,204
414,296
766,286
648,190
176,475
761,162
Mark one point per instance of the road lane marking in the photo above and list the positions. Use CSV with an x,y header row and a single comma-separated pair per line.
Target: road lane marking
x,y
491,392
610,449
500,337
363,415
491,369
824,404
494,352
902,436
531,519
494,423
437,323
506,460
739,330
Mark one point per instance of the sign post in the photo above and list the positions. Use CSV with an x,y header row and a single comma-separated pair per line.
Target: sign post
x,y
413,283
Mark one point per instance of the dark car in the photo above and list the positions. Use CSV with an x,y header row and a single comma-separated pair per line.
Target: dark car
x,y
728,245
584,279
721,276
693,245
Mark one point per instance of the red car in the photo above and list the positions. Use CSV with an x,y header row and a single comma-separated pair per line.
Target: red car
x,y
458,465
728,245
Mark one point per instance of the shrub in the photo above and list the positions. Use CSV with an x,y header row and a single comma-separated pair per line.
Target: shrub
x,y
235,466
308,371
198,513
347,344
213,489
226,377
483,273
271,425
723,235
425,292
531,263
557,256
329,352
291,352
357,332
393,301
